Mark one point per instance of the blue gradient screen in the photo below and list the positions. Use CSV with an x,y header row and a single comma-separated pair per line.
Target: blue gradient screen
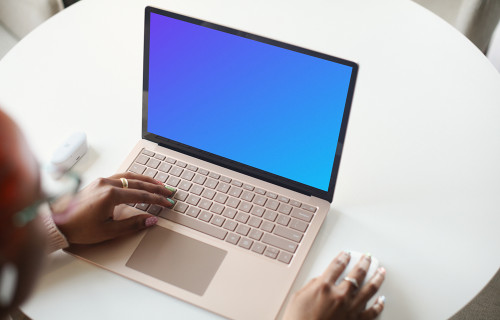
x,y
264,106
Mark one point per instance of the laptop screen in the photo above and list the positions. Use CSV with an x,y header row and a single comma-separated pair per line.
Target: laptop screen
x,y
257,102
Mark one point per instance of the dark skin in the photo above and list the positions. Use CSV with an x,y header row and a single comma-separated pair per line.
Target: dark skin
x,y
96,215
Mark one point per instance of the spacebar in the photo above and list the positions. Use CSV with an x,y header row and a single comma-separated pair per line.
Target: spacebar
x,y
193,223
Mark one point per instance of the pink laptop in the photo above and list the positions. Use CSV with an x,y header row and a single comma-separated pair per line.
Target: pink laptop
x,y
249,131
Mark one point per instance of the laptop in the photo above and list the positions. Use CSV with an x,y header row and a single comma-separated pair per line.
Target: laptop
x,y
249,131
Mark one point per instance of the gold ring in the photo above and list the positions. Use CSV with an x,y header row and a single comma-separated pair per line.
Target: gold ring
x,y
353,281
124,183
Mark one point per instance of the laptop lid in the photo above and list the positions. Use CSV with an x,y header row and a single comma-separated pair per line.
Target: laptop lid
x,y
271,110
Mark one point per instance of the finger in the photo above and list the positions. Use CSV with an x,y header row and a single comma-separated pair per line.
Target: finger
x,y
374,310
132,224
358,273
336,267
369,289
140,196
139,181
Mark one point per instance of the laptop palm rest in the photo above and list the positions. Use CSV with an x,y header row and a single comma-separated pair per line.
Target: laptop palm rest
x,y
177,259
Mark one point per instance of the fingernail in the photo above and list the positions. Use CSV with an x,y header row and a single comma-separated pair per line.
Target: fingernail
x,y
151,221
159,182
171,189
347,253
368,256
381,300
171,201
381,270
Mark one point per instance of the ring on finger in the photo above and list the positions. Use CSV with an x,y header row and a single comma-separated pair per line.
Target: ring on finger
x,y
124,183
353,281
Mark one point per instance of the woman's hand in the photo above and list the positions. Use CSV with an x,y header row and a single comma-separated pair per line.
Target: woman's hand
x,y
322,299
90,215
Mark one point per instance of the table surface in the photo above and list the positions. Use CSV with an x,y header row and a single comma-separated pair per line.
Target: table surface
x,y
419,182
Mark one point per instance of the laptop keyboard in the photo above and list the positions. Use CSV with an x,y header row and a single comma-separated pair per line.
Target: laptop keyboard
x,y
252,218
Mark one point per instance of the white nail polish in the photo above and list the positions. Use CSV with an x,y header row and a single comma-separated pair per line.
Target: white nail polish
x,y
381,300
8,284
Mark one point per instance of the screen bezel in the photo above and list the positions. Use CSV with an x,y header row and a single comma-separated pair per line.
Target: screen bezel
x,y
228,163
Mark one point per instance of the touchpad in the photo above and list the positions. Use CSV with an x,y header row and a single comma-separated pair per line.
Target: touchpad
x,y
177,259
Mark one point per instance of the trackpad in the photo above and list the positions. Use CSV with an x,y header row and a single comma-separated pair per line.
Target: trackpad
x,y
177,259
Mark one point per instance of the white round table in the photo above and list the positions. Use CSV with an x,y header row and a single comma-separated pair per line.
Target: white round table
x,y
419,183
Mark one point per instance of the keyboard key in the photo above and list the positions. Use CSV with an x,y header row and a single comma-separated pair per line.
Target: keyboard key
x,y
267,226
165,167
181,195
283,199
302,215
235,192
197,189
203,172
170,160
137,168
247,196
205,216
223,187
248,187
245,243
181,164
225,179
233,238
217,208
255,234
230,213
187,175
288,233
284,208
230,225
150,172
176,171
279,242
243,229
233,202
160,157
199,179
298,225
214,175
283,220
192,168
209,194
147,152
192,199
260,191
185,185
295,203
242,217
245,206
161,176
258,247
154,209
308,208
260,200
194,224
173,181
285,257
193,212
220,198
180,207
142,206
272,204
237,183
205,204
153,163
257,211
218,221
271,195
255,222
211,183
142,159
270,215
271,252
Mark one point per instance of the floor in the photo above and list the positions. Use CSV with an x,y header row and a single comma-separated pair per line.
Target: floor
x,y
486,306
